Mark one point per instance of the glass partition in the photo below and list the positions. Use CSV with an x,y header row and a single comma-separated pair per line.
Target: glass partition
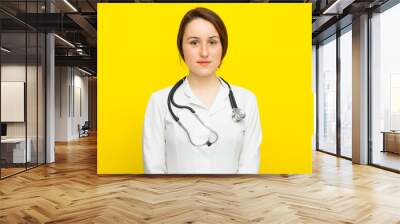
x,y
385,88
22,88
41,109
327,95
346,93
14,153
32,95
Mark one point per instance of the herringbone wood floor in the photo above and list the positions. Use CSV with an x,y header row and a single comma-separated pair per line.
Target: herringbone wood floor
x,y
69,191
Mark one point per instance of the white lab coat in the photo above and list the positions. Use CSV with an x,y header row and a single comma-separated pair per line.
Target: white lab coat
x,y
167,149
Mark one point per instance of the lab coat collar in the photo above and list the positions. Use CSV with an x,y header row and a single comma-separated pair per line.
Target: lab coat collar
x,y
222,95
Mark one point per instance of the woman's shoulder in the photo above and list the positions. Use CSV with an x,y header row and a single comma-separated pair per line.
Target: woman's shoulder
x,y
245,99
243,93
158,100
161,95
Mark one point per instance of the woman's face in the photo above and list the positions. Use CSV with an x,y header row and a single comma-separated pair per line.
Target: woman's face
x,y
201,47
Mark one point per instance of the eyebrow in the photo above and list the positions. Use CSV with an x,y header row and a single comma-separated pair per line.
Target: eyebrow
x,y
199,37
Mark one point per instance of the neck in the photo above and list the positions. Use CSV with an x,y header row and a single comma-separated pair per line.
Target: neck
x,y
201,82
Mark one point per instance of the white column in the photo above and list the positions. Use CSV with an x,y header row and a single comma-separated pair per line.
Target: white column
x,y
50,99
360,90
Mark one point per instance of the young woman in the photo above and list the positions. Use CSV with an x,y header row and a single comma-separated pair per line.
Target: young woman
x,y
202,125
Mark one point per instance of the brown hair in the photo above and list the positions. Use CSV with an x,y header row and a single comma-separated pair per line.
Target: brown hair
x,y
211,17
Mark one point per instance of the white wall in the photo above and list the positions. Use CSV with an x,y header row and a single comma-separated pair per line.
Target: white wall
x,y
71,93
62,78
81,84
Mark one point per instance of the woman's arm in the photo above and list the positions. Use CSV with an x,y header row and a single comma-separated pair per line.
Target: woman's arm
x,y
249,162
153,138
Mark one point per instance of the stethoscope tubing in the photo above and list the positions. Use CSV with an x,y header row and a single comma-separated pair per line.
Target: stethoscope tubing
x,y
176,118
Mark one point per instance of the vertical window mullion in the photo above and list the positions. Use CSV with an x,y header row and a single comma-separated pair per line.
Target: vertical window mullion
x,y
317,96
26,86
338,73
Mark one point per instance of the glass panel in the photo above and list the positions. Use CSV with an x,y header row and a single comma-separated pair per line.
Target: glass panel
x,y
41,98
314,74
327,96
23,88
346,94
32,93
386,89
13,88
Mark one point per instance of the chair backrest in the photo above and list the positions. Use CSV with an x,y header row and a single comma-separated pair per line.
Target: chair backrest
x,y
86,125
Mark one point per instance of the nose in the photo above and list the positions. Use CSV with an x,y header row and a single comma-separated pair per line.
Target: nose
x,y
204,51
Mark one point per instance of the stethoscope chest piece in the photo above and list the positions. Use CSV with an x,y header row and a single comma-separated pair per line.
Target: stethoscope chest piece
x,y
212,138
238,114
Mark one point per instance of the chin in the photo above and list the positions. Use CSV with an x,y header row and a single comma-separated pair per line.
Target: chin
x,y
204,72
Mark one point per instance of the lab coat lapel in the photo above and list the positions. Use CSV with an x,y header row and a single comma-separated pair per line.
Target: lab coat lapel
x,y
220,101
191,98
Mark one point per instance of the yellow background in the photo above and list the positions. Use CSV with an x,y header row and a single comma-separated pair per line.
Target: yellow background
x,y
269,53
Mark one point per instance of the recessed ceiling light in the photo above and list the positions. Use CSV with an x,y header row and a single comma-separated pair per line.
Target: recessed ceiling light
x,y
64,40
337,7
70,5
5,50
84,71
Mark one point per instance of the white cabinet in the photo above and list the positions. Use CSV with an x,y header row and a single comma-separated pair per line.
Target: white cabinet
x,y
18,149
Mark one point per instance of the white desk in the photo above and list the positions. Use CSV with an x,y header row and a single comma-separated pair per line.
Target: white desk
x,y
18,149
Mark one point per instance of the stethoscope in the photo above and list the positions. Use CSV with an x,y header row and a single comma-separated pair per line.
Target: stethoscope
x,y
237,114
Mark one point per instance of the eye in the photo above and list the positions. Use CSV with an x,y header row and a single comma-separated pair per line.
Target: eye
x,y
213,42
194,42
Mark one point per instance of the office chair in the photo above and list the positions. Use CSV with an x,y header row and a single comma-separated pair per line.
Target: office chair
x,y
84,130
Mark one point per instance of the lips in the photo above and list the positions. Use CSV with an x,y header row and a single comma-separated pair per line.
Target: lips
x,y
204,63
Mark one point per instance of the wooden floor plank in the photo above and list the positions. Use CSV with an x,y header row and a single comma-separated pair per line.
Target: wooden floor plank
x,y
70,191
